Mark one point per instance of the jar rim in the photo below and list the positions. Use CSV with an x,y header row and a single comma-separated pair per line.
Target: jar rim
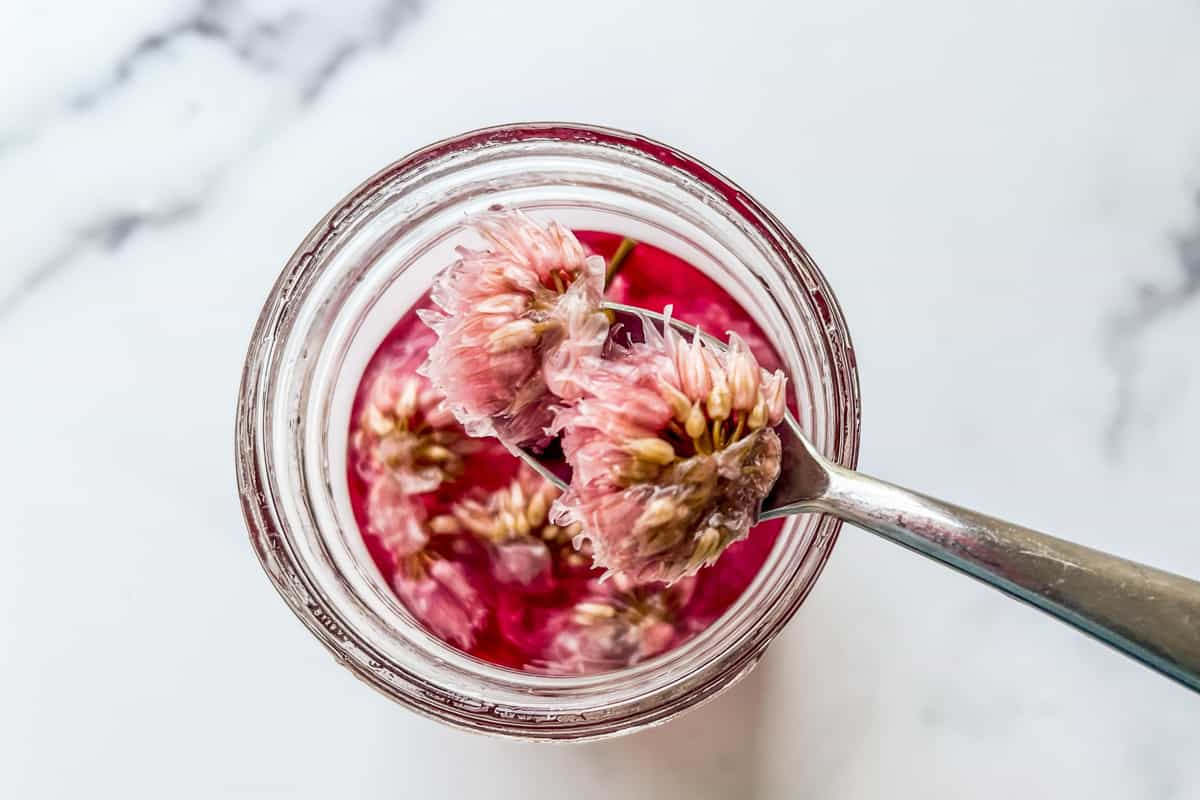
x,y
269,530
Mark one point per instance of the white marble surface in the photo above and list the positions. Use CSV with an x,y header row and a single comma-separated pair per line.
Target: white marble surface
x,y
1002,194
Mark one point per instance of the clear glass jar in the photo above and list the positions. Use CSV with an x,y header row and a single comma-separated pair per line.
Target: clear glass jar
x,y
375,254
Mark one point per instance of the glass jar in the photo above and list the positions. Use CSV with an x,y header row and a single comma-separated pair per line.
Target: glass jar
x,y
367,262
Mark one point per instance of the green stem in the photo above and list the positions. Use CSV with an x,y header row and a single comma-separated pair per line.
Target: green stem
x,y
614,264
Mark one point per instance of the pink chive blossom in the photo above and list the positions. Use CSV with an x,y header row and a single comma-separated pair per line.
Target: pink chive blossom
x,y
439,593
395,518
621,624
405,431
513,522
672,449
515,321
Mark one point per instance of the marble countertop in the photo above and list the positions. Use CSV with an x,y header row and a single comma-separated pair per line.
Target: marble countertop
x,y
1004,196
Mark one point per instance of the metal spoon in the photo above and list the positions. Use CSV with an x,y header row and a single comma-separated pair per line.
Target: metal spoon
x,y
1146,613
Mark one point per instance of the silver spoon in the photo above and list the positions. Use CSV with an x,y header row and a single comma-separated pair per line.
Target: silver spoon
x,y
1146,613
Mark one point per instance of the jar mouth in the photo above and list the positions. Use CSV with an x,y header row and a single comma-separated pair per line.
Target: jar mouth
x,y
370,259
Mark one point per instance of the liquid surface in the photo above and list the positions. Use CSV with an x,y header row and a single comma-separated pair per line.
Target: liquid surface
x,y
463,537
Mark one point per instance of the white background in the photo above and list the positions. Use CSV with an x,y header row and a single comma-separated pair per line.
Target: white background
x,y
1002,195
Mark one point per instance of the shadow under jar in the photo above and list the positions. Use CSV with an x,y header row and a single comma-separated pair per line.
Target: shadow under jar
x,y
368,261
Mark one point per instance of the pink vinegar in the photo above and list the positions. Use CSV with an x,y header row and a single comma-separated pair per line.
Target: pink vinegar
x,y
520,619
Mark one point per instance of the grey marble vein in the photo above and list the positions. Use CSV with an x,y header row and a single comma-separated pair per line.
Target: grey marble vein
x,y
257,43
108,234
389,20
1152,303
210,21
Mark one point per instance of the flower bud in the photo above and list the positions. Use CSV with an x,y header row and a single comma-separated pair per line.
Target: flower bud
x,y
588,611
658,511
694,375
435,454
535,512
377,422
695,424
720,399
513,335
444,523
681,406
744,374
707,548
508,522
406,403
758,416
775,392
651,449
508,303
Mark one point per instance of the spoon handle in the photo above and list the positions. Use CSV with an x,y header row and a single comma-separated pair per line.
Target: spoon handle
x,y
1149,614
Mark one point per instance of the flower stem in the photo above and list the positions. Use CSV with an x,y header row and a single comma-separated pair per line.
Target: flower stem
x,y
618,258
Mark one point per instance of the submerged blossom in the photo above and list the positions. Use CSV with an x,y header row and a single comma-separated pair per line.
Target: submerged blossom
x,y
405,432
672,451
515,320
513,522
395,518
439,593
620,624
